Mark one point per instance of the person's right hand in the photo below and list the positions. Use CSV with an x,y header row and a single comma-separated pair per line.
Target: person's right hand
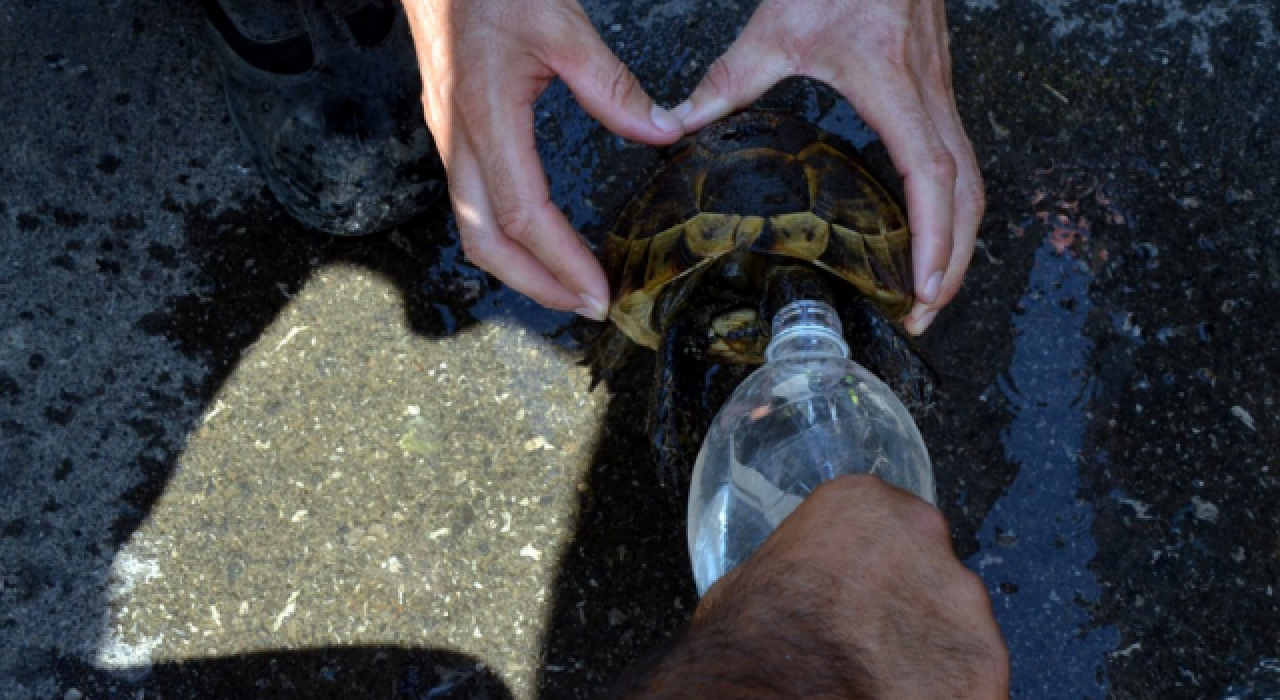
x,y
858,594
483,64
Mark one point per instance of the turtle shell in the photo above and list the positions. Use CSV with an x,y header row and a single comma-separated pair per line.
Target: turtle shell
x,y
762,183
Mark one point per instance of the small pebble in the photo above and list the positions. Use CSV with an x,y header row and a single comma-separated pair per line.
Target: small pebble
x,y
1244,416
1205,510
538,443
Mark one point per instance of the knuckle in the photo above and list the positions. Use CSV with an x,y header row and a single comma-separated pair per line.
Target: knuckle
x,y
514,221
478,253
796,51
992,664
886,41
975,193
622,83
556,16
975,186
938,75
969,594
428,109
999,661
928,521
969,590
469,97
940,165
720,78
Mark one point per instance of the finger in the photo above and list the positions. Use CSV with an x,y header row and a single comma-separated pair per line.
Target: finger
x,y
608,90
969,199
745,72
487,249
524,213
969,207
887,98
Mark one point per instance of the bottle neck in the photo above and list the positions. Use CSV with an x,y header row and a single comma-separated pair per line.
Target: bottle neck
x,y
806,329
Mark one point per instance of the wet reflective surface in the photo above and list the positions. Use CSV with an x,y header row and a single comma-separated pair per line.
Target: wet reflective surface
x,y
1036,543
1104,440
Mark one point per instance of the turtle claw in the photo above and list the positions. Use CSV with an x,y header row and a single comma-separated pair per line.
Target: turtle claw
x,y
607,355
883,347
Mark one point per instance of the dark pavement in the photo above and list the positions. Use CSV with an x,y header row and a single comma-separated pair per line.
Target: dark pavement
x,y
240,459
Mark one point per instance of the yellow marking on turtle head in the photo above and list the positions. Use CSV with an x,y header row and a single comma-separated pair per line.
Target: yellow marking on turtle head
x,y
733,321
736,336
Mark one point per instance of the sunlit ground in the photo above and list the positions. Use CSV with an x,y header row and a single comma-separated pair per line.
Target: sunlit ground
x,y
407,491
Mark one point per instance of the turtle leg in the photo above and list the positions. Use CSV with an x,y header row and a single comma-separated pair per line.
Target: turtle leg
x,y
884,348
677,421
608,354
874,342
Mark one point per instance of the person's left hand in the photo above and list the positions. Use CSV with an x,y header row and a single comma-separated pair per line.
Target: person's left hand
x,y
484,63
890,59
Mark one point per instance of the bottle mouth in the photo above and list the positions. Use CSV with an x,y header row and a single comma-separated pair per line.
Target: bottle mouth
x,y
806,327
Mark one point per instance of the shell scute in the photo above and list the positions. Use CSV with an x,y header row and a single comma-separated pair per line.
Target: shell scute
x,y
762,184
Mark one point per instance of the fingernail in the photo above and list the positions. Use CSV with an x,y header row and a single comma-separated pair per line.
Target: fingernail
x,y
683,110
922,324
665,120
592,308
932,287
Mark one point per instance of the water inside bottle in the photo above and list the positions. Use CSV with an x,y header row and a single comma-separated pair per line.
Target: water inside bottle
x,y
775,459
806,417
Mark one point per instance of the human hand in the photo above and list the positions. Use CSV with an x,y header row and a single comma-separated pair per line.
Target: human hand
x,y
484,63
857,594
890,59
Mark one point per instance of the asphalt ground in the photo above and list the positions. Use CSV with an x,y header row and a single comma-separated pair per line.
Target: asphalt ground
x,y
241,459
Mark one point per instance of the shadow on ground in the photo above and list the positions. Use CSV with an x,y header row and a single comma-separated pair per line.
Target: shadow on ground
x,y
320,674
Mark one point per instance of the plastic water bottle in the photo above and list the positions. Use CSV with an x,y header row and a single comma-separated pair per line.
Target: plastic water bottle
x,y
808,415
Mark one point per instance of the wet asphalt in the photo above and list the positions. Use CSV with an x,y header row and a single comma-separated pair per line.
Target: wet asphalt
x,y
241,459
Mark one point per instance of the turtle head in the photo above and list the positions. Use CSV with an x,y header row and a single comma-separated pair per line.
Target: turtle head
x,y
737,336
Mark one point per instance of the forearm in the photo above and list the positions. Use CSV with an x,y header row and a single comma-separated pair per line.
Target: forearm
x,y
698,667
857,595
751,647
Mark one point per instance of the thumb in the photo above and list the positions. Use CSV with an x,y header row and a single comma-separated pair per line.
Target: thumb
x,y
608,91
739,77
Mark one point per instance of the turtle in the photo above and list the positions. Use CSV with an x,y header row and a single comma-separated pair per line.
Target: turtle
x,y
756,211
